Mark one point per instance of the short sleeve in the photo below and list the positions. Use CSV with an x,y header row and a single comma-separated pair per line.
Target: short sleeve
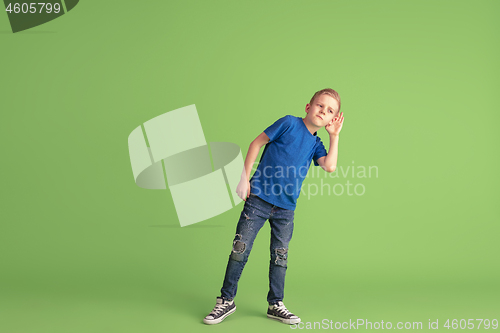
x,y
319,152
279,127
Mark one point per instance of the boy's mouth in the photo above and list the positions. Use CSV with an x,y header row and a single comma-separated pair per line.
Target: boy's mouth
x,y
319,117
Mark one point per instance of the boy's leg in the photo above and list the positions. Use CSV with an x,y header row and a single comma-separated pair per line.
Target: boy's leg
x,y
255,213
281,222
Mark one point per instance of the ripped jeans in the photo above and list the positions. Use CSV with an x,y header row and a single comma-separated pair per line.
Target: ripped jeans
x,y
255,213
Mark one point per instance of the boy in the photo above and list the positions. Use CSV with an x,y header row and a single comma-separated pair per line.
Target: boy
x,y
271,194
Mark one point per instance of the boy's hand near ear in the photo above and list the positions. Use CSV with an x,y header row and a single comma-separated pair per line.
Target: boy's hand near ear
x,y
334,127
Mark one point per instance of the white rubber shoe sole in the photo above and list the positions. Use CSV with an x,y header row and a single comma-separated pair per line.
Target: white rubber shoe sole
x,y
285,321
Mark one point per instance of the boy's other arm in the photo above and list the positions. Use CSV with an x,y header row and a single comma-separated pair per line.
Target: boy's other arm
x,y
243,188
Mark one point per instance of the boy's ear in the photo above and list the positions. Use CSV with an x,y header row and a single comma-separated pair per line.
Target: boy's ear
x,y
308,106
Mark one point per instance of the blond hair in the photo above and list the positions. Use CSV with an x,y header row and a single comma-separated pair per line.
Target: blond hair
x,y
329,92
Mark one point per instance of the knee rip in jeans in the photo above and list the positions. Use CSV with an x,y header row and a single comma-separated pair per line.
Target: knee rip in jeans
x,y
238,245
281,256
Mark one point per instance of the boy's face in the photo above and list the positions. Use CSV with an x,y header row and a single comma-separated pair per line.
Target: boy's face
x,y
322,111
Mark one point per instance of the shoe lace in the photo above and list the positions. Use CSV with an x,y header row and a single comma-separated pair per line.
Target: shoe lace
x,y
219,308
283,310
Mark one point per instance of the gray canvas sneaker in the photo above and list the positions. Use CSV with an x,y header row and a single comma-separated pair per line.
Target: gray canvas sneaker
x,y
279,312
222,309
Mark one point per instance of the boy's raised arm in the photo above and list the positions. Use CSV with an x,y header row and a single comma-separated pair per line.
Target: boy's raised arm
x,y
243,188
329,162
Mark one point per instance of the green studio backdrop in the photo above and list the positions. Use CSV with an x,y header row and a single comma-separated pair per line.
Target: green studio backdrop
x,y
84,249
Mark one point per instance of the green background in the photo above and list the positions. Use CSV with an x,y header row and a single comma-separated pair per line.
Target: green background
x,y
83,249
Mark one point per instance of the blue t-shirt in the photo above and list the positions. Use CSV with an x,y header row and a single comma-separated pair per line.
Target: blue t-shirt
x,y
285,161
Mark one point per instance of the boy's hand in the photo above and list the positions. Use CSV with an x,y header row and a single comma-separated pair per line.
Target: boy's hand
x,y
243,189
335,125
